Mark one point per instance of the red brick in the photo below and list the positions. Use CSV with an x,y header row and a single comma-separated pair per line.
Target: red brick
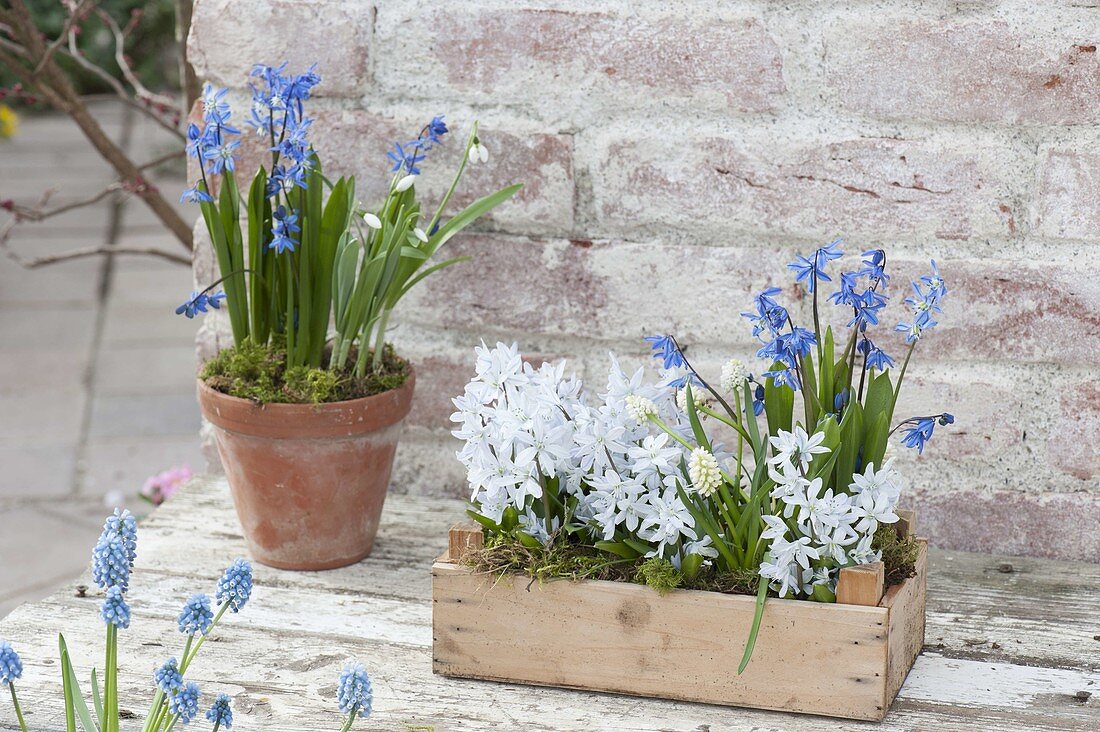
x,y
228,37
1056,525
966,71
866,186
1069,195
1075,434
582,60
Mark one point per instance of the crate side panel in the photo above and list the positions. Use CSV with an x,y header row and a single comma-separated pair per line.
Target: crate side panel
x,y
906,604
612,636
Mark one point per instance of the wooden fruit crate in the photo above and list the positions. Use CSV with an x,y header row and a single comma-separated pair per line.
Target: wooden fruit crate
x,y
843,660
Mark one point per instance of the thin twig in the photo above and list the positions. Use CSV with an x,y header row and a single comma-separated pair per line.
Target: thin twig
x,y
72,20
94,252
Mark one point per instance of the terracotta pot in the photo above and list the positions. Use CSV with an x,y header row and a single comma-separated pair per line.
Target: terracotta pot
x,y
308,480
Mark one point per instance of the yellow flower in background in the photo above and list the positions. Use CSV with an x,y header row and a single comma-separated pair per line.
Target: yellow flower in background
x,y
9,122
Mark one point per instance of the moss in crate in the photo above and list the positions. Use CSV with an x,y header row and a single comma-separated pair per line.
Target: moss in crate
x,y
899,556
261,375
503,554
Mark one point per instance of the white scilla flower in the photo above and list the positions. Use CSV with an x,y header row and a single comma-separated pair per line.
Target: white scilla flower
x,y
703,471
640,407
405,183
797,447
372,221
733,375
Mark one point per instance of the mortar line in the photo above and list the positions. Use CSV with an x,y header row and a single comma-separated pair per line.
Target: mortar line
x,y
103,296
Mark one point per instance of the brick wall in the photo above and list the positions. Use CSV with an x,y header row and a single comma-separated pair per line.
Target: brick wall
x,y
677,155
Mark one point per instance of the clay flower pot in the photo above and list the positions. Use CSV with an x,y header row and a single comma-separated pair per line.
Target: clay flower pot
x,y
308,480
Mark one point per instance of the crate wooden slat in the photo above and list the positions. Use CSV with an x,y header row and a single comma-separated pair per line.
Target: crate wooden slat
x,y
836,660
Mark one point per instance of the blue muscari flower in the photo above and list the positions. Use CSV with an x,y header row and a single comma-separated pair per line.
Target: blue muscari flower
x,y
168,677
235,586
11,668
185,702
285,224
194,195
354,690
115,551
221,713
407,159
114,610
769,315
196,615
664,347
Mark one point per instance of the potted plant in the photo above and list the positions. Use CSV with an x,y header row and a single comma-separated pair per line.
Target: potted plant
x,y
719,496
308,404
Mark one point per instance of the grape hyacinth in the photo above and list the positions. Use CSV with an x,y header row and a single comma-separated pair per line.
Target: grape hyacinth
x,y
235,586
11,667
114,553
221,712
114,611
353,694
168,677
196,615
184,702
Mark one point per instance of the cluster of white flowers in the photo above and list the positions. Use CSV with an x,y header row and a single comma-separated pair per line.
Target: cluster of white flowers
x,y
819,525
528,430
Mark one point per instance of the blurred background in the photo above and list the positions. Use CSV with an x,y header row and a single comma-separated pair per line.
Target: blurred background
x,y
96,374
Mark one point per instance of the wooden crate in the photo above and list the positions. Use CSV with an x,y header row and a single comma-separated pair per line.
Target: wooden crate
x,y
841,660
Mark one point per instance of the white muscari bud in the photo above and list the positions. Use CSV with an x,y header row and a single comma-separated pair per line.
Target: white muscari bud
x,y
697,394
405,183
372,221
704,472
733,375
419,234
640,407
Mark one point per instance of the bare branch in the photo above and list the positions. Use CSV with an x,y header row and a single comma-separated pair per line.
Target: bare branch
x,y
76,14
124,65
162,159
94,252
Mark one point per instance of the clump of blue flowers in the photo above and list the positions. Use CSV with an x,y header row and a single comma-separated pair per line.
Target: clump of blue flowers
x,y
353,693
235,586
11,669
221,712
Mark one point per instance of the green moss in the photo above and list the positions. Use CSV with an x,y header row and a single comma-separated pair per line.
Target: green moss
x,y
660,574
899,556
260,374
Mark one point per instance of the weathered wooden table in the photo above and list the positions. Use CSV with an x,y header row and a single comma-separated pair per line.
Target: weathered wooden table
x,y
1012,644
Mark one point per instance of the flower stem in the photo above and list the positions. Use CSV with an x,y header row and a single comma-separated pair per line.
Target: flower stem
x,y
18,711
351,719
187,659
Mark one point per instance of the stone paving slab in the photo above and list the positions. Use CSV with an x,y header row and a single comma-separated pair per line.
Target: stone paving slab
x,y
96,389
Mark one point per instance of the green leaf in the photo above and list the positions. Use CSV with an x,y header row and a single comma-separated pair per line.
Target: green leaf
x,y
778,404
751,426
67,687
97,698
73,696
528,541
639,546
693,418
851,442
470,214
690,565
483,520
828,367
750,644
874,444
618,548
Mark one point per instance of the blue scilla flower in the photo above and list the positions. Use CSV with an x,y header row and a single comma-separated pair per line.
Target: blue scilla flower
x,y
436,129
866,305
354,691
921,430
199,301
758,400
689,378
235,586
220,713
168,677
769,316
194,195
840,400
407,159
114,610
213,101
196,615
184,702
285,223
874,263
221,157
812,268
784,377
664,347
11,668
935,283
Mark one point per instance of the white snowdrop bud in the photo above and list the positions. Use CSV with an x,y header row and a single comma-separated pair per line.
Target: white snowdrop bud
x,y
372,221
703,471
419,234
733,375
640,407
405,183
478,153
